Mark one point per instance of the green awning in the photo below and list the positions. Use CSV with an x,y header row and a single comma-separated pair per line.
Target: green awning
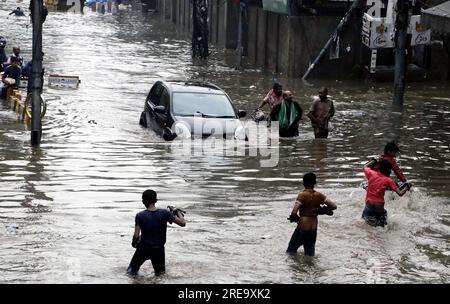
x,y
437,18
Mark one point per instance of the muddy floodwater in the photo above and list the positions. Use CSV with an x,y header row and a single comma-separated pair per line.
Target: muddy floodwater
x,y
67,208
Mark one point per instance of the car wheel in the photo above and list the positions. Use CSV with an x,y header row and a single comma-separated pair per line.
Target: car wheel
x,y
143,120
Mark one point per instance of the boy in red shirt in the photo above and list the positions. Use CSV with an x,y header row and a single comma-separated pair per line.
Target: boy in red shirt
x,y
374,213
390,152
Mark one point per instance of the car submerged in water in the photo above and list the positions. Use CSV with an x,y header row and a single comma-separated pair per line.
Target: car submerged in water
x,y
189,109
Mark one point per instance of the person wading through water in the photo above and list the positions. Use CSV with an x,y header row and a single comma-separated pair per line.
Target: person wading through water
x,y
307,207
273,97
12,73
16,53
288,113
150,234
374,213
390,153
322,109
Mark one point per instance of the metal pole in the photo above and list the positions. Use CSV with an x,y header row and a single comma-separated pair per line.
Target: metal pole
x,y
318,58
37,8
446,40
401,26
200,31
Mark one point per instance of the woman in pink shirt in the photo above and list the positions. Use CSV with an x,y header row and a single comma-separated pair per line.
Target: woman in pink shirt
x,y
273,97
374,213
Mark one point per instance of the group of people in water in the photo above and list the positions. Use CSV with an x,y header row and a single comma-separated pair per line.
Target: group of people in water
x,y
13,69
149,236
151,224
288,112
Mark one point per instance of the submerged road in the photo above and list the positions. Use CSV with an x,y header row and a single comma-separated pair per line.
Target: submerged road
x,y
67,209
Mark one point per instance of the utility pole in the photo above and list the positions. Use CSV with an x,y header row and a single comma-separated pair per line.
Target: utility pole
x,y
37,18
401,27
200,31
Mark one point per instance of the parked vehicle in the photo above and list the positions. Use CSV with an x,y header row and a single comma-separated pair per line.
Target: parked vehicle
x,y
188,109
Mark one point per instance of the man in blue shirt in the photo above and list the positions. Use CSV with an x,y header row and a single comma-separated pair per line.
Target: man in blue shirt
x,y
27,72
150,234
11,72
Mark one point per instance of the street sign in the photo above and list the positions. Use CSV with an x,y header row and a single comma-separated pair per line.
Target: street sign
x,y
420,34
377,32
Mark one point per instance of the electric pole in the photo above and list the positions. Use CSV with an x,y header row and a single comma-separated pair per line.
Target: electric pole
x,y
37,18
401,27
200,30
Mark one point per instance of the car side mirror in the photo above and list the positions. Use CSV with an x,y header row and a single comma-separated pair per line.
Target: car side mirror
x,y
241,113
160,109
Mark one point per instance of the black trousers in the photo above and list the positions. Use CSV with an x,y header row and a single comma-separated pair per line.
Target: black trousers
x,y
374,217
301,237
320,133
155,254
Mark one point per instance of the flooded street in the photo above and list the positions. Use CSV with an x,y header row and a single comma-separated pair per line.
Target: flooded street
x,y
67,208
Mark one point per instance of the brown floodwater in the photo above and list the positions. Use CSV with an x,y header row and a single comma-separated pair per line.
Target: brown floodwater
x,y
67,208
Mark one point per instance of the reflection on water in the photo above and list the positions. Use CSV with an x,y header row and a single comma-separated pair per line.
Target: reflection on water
x,y
67,208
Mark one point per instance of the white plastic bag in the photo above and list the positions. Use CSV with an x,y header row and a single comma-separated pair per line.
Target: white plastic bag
x,y
330,126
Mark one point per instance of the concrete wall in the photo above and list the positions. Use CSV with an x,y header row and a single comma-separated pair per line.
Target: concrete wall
x,y
231,24
260,37
277,43
287,44
221,22
252,34
272,37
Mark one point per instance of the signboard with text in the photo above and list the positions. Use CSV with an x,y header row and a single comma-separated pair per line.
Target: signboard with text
x,y
59,81
420,34
379,32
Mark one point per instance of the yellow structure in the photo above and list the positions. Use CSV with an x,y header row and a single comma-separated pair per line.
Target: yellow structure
x,y
14,97
23,106
52,5
51,2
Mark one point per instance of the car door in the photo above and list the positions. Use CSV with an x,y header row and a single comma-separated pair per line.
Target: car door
x,y
163,118
153,100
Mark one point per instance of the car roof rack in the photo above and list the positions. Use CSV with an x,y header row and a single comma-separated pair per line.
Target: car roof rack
x,y
196,83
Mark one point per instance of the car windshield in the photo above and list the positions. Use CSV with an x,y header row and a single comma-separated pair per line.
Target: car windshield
x,y
207,105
